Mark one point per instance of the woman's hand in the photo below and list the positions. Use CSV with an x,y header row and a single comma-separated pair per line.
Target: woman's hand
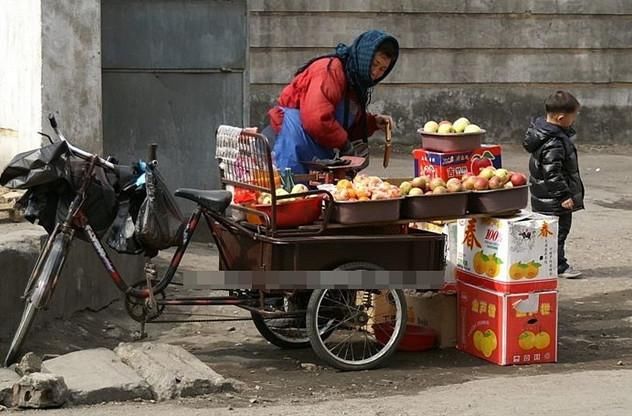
x,y
382,120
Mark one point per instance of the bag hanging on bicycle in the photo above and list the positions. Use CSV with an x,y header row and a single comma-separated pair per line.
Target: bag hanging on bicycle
x,y
160,223
122,235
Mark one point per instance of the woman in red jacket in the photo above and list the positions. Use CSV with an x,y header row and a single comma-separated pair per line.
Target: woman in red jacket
x,y
324,107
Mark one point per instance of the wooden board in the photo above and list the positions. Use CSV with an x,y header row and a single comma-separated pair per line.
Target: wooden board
x,y
8,199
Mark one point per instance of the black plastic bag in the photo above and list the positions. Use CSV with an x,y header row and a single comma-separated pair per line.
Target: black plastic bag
x,y
160,223
122,235
52,176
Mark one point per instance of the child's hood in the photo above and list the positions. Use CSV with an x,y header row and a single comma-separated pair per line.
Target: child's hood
x,y
540,131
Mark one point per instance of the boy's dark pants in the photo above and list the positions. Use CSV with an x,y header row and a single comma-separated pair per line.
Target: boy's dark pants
x,y
564,227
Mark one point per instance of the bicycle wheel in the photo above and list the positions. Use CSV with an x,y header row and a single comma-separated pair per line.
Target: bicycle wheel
x,y
362,336
52,262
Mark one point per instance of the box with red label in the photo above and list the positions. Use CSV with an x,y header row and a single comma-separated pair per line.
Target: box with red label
x,y
513,250
456,164
506,329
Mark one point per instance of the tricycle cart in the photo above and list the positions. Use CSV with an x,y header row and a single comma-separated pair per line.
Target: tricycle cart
x,y
339,318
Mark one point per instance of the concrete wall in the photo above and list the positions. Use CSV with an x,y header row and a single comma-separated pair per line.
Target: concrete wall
x,y
84,282
51,62
20,77
71,69
493,62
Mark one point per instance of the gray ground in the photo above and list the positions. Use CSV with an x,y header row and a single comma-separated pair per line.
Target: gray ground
x,y
595,352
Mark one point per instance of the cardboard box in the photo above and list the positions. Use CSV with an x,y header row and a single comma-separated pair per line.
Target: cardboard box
x,y
456,164
507,329
383,308
450,230
432,310
438,312
514,250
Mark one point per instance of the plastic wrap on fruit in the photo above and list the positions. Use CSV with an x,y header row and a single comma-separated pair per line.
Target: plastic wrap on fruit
x,y
244,196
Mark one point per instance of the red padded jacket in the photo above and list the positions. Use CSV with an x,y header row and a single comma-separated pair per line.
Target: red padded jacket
x,y
316,92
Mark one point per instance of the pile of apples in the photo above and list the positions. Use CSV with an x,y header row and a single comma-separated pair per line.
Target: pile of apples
x,y
423,185
266,199
365,188
492,178
462,125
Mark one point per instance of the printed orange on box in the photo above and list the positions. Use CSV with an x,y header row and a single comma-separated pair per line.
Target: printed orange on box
x,y
507,329
516,250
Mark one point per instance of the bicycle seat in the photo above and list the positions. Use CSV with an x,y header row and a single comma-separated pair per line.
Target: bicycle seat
x,y
216,201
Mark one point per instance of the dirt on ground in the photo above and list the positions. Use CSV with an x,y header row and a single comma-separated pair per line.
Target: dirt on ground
x,y
595,316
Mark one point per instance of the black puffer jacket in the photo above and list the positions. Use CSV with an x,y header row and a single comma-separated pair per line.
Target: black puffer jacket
x,y
553,167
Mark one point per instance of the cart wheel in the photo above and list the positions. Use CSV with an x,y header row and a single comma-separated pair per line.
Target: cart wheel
x,y
365,326
286,333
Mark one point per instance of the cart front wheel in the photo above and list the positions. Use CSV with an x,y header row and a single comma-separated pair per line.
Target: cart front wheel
x,y
366,326
287,332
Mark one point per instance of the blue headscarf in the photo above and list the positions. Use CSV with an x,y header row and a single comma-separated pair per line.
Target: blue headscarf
x,y
358,58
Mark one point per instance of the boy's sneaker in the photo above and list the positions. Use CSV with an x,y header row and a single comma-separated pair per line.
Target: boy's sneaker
x,y
570,274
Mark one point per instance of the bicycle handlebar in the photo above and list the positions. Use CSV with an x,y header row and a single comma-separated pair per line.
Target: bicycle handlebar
x,y
76,150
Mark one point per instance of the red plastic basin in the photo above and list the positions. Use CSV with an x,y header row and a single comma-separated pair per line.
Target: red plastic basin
x,y
291,214
415,339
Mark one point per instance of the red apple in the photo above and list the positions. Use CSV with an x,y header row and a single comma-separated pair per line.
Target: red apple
x,y
481,184
495,182
518,179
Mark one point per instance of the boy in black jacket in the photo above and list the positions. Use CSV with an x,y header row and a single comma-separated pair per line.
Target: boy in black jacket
x,y
556,187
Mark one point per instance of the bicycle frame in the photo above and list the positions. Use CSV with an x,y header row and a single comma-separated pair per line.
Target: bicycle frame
x,y
76,220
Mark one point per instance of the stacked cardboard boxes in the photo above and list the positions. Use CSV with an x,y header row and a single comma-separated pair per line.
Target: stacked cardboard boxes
x,y
507,288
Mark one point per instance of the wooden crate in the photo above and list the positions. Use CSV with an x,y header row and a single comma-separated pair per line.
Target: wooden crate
x,y
8,210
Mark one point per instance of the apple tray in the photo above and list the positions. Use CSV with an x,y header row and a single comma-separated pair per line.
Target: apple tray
x,y
498,200
435,206
366,212
452,142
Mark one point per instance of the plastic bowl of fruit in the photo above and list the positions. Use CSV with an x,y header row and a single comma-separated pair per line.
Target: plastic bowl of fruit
x,y
368,199
497,191
434,198
291,214
498,201
445,136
